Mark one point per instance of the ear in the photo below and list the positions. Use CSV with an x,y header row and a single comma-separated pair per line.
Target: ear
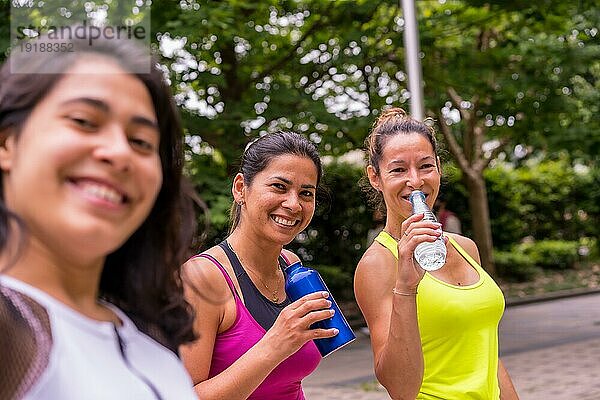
x,y
7,150
439,165
373,178
238,189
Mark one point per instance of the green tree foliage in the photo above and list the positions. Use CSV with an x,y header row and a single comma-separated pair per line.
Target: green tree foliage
x,y
4,28
51,16
324,68
506,80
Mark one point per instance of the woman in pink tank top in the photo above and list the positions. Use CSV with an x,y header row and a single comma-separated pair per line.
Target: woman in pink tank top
x,y
253,343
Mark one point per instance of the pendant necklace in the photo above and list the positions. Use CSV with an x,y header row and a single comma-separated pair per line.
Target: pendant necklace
x,y
274,292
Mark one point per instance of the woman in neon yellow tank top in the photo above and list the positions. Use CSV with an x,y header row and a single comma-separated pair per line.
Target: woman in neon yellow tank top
x,y
434,335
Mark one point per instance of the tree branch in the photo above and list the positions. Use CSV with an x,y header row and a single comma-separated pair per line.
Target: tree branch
x,y
468,132
355,98
457,101
367,83
453,145
483,162
278,64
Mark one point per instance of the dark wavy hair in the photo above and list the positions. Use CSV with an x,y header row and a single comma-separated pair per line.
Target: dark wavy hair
x,y
142,277
260,152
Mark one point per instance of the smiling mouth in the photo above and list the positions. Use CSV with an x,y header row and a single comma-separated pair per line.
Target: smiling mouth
x,y
284,221
100,191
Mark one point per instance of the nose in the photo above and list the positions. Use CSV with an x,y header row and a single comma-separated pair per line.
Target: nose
x,y
292,202
113,148
414,179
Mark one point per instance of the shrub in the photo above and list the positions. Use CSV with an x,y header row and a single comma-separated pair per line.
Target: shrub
x,y
339,282
551,254
549,199
515,266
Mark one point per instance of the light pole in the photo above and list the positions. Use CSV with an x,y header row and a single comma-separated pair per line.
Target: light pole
x,y
413,61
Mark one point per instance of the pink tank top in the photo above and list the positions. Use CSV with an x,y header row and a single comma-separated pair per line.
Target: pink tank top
x,y
284,382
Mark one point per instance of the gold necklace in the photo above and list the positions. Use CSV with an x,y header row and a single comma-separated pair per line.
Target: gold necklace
x,y
274,292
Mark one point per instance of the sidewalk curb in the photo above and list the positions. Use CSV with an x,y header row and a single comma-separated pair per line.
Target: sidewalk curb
x,y
358,322
559,294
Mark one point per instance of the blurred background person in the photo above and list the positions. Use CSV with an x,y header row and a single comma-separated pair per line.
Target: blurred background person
x,y
448,219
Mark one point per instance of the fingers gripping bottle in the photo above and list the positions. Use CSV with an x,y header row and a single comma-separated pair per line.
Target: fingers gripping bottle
x,y
301,281
431,256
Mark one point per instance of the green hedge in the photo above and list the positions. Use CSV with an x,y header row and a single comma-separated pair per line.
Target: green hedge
x,y
546,200
515,266
550,254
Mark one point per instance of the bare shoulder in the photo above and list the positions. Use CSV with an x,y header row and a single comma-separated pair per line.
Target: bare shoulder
x,y
292,258
203,278
467,244
377,264
376,256
373,282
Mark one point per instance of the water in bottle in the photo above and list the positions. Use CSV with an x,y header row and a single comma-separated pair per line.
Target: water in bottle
x,y
301,281
430,255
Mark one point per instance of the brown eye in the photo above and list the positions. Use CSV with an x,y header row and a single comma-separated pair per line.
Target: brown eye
x,y
84,123
142,145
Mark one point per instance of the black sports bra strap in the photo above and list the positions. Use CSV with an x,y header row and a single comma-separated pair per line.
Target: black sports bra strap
x,y
237,266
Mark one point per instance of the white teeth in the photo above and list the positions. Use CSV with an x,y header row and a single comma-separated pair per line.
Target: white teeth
x,y
102,192
283,221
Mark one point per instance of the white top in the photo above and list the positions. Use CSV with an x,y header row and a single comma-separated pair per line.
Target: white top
x,y
86,362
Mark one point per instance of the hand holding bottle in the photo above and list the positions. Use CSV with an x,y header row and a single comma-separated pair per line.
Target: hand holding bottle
x,y
413,232
292,328
431,256
301,280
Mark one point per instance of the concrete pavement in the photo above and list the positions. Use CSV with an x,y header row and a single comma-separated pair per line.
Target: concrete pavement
x,y
551,350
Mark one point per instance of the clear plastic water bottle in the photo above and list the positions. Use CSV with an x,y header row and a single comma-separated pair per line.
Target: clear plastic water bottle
x,y
299,282
431,256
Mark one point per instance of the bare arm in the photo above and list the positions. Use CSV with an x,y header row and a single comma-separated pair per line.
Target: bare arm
x,y
507,389
287,335
392,318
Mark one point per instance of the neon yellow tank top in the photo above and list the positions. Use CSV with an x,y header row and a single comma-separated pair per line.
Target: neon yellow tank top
x,y
459,333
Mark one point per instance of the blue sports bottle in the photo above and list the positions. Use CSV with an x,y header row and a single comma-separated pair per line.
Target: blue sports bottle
x,y
301,281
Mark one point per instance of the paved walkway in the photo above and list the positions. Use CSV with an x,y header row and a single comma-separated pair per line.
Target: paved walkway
x,y
551,350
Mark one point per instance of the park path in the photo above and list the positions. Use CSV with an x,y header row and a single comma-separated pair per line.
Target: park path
x,y
551,349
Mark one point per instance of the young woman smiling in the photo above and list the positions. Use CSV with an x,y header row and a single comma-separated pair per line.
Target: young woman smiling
x,y
254,344
94,225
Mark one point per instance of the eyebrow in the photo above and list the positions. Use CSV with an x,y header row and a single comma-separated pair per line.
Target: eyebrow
x,y
404,162
287,181
102,106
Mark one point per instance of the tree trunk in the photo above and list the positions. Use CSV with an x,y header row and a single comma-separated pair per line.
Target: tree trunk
x,y
471,160
482,232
